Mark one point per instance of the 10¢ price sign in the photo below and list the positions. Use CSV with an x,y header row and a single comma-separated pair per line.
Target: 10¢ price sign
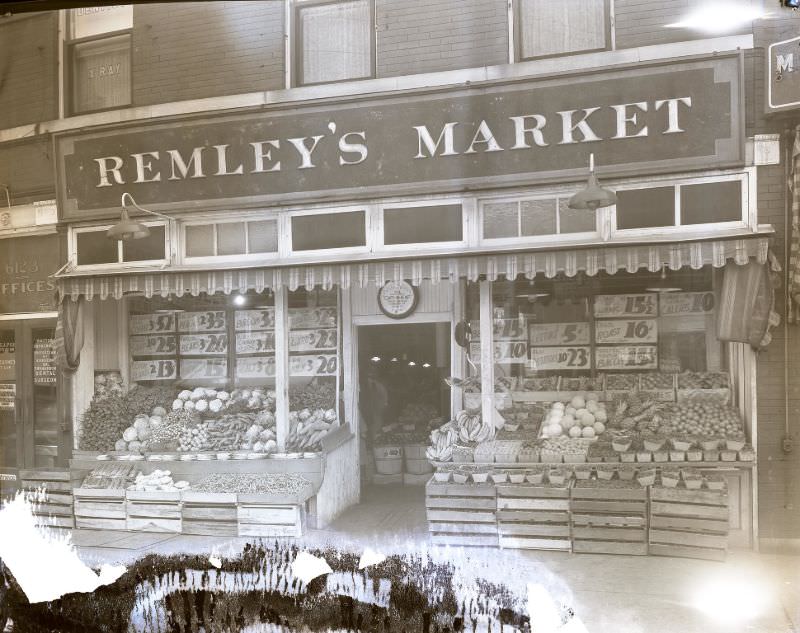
x,y
626,331
514,352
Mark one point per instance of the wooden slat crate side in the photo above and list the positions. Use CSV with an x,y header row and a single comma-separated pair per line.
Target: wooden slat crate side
x,y
612,507
209,498
99,510
533,529
609,520
469,503
44,475
55,521
689,524
459,516
468,540
152,524
435,489
680,551
532,516
103,493
635,535
610,494
516,542
673,537
263,529
462,528
689,510
532,504
56,509
212,513
271,515
210,528
55,486
534,492
58,498
97,523
156,496
154,510
609,547
681,495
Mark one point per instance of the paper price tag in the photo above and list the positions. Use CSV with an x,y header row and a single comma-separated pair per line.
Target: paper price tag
x,y
514,352
253,320
627,357
153,370
211,321
546,358
255,367
300,318
151,323
626,305
203,344
680,303
193,368
626,331
503,329
155,345
558,333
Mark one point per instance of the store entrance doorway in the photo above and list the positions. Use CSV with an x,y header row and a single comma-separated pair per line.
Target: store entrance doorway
x,y
402,369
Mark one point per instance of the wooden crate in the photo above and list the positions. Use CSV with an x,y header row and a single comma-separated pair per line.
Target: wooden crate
x,y
156,511
533,517
54,509
209,513
461,514
608,520
99,508
688,523
270,520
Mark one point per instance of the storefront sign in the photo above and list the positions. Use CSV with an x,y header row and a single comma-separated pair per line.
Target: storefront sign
x,y
546,358
154,345
783,75
89,21
44,362
151,323
299,365
204,344
209,321
504,351
558,333
682,303
194,368
645,119
25,266
625,305
153,370
626,357
8,394
626,331
397,299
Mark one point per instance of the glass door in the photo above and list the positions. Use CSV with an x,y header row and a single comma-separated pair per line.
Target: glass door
x,y
10,435
43,414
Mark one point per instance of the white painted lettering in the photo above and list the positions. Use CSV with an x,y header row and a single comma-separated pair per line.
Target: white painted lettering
x,y
353,148
195,163
568,127
259,155
222,162
672,112
305,152
536,131
623,118
105,170
144,168
484,135
784,63
424,136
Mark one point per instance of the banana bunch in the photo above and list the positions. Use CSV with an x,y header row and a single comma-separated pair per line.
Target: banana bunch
x,y
471,428
442,441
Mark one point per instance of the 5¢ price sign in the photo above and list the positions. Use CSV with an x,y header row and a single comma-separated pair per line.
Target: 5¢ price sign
x,y
626,331
558,333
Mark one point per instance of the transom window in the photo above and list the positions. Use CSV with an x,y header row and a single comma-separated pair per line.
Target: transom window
x,y
225,239
531,217
91,246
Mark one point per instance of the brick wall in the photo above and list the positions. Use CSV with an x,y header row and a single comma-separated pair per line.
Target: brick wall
x,y
194,50
419,36
28,69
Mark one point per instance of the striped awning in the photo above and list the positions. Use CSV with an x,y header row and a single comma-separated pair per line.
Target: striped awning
x,y
611,259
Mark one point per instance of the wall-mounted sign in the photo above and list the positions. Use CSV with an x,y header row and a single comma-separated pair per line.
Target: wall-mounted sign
x,y
206,321
142,370
195,368
506,352
504,329
783,75
8,355
549,358
154,345
397,299
204,344
655,118
299,365
44,361
26,264
558,333
89,21
8,394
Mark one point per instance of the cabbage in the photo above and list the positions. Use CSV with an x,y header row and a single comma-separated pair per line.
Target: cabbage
x,y
141,424
211,393
188,405
129,434
215,405
134,446
155,420
198,393
330,415
185,394
121,445
223,395
258,447
177,404
144,434
304,415
159,411
201,405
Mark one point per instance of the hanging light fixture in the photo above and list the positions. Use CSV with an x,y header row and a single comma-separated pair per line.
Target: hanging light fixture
x,y
127,229
593,196
662,285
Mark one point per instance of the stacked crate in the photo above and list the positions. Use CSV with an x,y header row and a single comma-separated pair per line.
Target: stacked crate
x,y
210,513
259,515
688,523
609,517
533,516
461,514
156,511
54,507
100,508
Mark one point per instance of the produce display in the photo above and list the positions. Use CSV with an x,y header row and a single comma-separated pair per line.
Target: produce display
x,y
656,381
277,483
581,383
417,414
465,428
108,382
635,412
307,428
158,480
165,436
621,382
581,417
545,383
315,395
702,419
702,380
109,476
556,448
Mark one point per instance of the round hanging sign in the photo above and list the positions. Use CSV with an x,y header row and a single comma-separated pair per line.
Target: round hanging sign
x,y
397,299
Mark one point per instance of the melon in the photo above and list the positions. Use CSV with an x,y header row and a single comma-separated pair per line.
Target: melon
x,y
588,420
591,397
601,416
570,410
599,427
575,431
578,402
588,431
558,405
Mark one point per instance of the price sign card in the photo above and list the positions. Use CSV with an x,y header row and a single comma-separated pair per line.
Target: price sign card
x,y
203,344
547,358
8,393
153,370
626,305
627,357
194,368
626,331
680,303
254,342
255,367
151,323
254,320
504,329
211,321
514,352
313,365
154,345
312,340
558,333
303,318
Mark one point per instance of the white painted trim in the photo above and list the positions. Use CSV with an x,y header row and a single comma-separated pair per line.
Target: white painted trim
x,y
530,69
417,317
28,315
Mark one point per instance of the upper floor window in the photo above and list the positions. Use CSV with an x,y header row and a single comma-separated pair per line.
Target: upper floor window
x,y
99,51
91,246
545,28
334,41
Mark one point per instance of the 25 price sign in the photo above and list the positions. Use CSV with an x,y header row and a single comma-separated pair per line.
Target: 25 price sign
x,y
157,345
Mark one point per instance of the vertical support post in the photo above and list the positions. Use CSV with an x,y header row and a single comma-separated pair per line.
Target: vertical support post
x,y
487,350
457,355
281,367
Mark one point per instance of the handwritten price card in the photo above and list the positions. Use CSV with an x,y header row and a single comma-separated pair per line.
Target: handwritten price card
x,y
606,306
254,320
194,368
320,317
504,329
547,358
254,342
204,344
151,323
626,331
211,321
155,345
627,357
255,367
558,333
313,365
514,352
681,303
153,370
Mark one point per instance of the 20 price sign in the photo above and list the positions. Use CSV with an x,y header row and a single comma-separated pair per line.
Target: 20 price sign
x,y
204,344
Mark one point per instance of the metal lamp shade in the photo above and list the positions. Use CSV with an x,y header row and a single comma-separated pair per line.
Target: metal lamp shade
x,y
127,229
593,196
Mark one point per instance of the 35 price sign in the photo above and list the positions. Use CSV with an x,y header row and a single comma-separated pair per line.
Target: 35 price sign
x,y
155,345
558,333
626,331
210,321
142,370
547,358
627,357
204,344
151,323
626,305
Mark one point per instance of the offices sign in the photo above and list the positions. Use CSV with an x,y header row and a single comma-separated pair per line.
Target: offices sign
x,y
656,118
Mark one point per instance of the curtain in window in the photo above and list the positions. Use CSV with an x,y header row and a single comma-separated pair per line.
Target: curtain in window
x,y
549,28
336,41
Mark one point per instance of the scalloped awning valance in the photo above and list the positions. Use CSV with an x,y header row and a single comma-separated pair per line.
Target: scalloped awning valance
x,y
611,259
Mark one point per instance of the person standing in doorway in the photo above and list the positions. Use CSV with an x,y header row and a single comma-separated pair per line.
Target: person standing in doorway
x,y
373,401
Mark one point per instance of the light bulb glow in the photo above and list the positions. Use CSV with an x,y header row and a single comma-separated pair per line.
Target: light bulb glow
x,y
411,363
376,359
239,300
426,365
719,17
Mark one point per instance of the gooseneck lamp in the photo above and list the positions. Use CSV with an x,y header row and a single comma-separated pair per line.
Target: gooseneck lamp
x,y
127,229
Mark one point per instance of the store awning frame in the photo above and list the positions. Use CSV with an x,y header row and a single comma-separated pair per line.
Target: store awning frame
x,y
452,268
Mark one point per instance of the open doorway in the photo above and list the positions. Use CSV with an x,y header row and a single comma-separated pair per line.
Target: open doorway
x,y
402,369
